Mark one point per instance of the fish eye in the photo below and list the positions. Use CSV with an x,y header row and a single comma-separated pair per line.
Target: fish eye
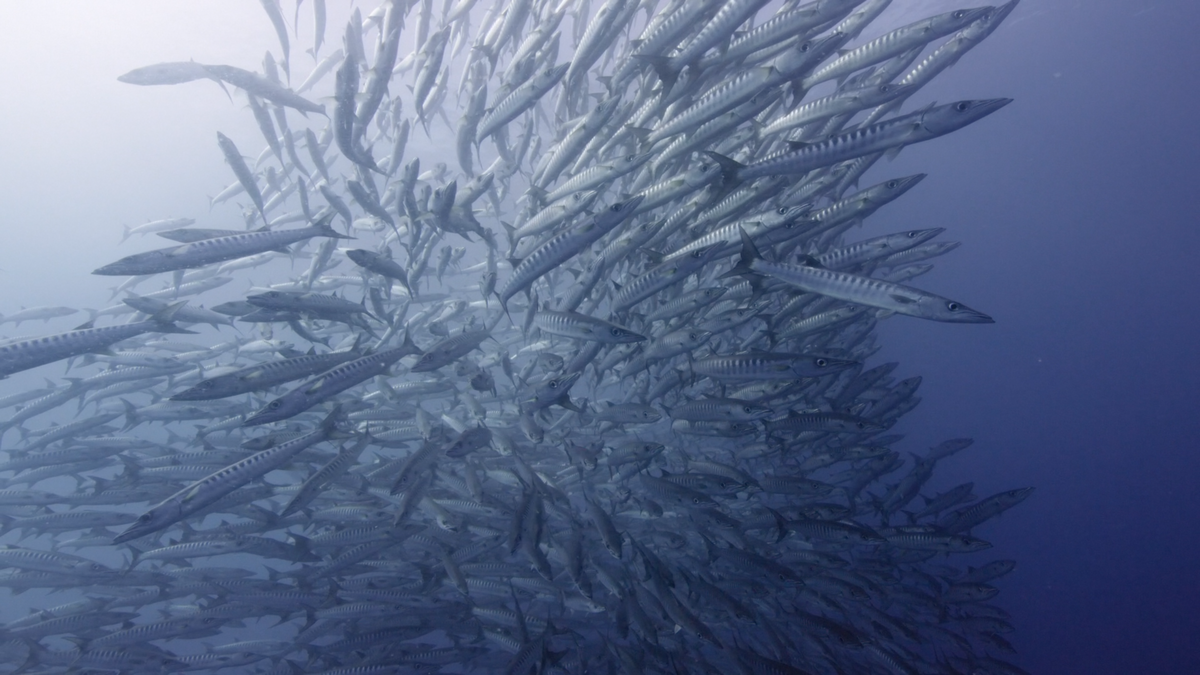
x,y
692,336
274,405
630,158
962,106
616,331
885,88
959,14
614,208
912,234
953,306
698,253
747,409
892,184
781,210
822,362
144,518
695,500
806,46
554,384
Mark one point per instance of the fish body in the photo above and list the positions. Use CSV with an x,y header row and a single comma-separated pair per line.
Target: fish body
x,y
175,72
667,274
262,377
25,354
329,383
583,327
209,251
565,246
907,129
449,350
768,366
860,290
520,100
203,493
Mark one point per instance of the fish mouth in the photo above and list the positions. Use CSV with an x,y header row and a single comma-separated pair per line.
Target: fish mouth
x,y
261,417
968,315
974,14
985,107
184,396
132,532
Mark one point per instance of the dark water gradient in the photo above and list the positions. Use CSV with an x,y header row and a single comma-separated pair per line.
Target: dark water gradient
x,y
1078,208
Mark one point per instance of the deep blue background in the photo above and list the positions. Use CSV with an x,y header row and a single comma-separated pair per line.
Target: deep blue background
x,y
1077,205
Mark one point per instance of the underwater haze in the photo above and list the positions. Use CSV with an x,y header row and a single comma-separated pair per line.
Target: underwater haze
x,y
599,336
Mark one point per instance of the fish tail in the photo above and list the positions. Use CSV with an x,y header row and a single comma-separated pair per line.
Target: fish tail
x,y
324,229
664,67
745,263
729,168
165,319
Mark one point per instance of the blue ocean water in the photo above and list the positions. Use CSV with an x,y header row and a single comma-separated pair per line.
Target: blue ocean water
x,y
1075,205
1077,209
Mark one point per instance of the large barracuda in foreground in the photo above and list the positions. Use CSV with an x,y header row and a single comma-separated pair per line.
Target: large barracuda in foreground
x,y
203,493
891,135
670,446
215,250
330,383
260,377
857,289
25,354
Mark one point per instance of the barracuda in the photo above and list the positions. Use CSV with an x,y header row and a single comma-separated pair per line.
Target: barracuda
x,y
892,134
554,215
563,247
663,276
769,366
206,491
449,350
875,248
858,289
896,42
262,377
719,410
520,100
773,227
567,151
688,302
331,383
25,354
782,27
598,175
583,327
219,249
839,103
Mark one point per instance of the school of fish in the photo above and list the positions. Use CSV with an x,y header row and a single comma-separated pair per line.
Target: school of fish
x,y
575,375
